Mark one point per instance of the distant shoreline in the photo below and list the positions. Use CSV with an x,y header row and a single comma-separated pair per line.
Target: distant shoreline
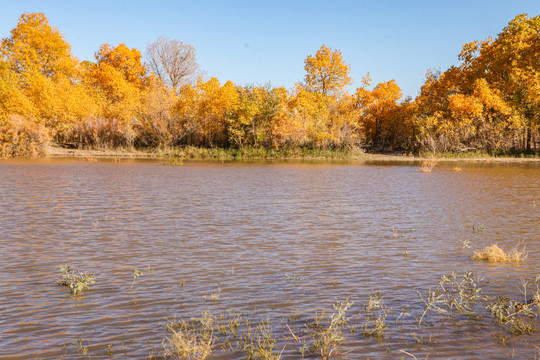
x,y
200,154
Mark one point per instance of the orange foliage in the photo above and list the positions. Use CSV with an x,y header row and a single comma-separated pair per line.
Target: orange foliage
x,y
326,71
121,78
34,45
203,111
491,101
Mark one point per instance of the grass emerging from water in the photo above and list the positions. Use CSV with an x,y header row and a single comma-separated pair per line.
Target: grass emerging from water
x,y
75,281
494,254
427,166
187,342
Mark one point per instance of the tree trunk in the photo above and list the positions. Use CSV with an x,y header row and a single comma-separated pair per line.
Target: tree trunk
x,y
529,139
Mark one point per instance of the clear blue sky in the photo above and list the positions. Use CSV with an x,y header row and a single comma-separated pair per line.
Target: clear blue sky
x,y
267,41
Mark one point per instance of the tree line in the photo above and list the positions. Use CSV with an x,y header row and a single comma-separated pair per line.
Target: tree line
x,y
489,102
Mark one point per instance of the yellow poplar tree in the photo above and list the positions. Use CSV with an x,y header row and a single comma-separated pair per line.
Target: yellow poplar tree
x,y
34,45
379,118
157,121
282,125
344,125
217,103
122,80
204,111
20,135
311,112
491,100
258,116
326,71
510,64
42,59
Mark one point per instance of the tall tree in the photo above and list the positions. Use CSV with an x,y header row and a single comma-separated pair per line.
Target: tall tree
x,y
47,73
326,71
492,99
122,78
380,108
34,45
172,61
127,62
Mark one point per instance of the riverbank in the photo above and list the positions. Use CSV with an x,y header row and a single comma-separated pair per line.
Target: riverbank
x,y
195,153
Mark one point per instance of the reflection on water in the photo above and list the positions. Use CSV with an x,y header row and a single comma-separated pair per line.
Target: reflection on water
x,y
276,238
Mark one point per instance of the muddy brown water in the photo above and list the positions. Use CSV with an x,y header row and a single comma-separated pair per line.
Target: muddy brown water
x,y
281,240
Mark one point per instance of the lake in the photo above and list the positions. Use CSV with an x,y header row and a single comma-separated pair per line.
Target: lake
x,y
276,243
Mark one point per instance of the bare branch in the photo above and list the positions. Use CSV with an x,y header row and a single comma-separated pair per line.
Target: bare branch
x,y
172,61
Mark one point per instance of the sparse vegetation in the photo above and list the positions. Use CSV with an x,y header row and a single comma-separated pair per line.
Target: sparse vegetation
x,y
478,228
455,297
188,342
518,316
512,314
82,348
324,339
466,297
375,324
215,296
261,345
76,281
137,273
173,161
453,294
465,244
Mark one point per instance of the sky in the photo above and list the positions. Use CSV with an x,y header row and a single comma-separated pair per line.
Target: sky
x,y
259,41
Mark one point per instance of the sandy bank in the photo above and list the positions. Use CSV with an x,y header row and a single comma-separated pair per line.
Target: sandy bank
x,y
59,152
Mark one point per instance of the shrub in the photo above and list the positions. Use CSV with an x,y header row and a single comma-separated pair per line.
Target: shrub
x,y
76,282
20,136
102,133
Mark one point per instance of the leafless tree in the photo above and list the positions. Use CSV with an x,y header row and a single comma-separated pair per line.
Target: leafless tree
x,y
172,61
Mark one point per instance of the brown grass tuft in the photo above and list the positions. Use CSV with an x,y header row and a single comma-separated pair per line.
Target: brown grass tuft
x,y
427,165
187,343
494,254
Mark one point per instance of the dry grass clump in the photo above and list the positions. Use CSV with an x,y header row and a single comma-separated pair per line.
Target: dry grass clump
x,y
213,296
494,254
427,165
187,343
